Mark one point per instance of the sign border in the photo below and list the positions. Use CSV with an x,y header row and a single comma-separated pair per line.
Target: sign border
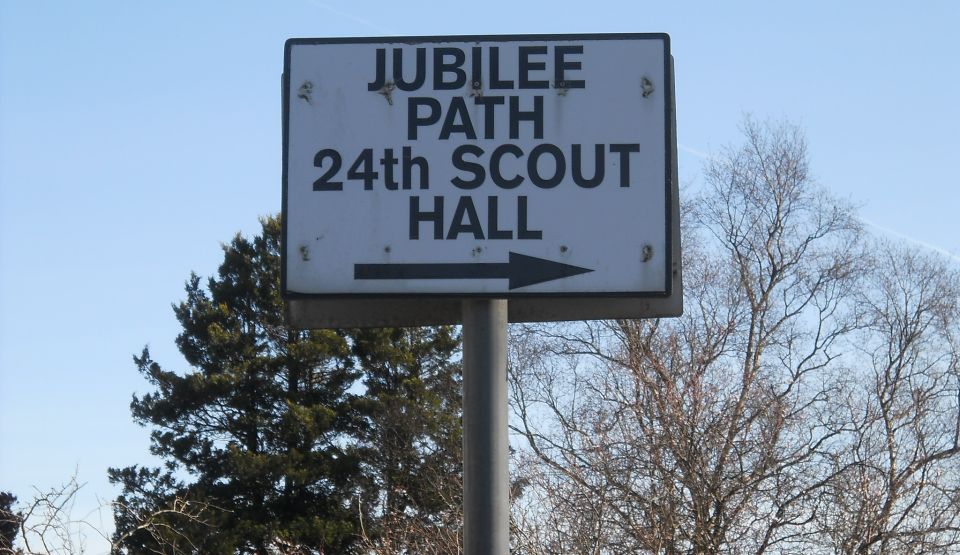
x,y
669,171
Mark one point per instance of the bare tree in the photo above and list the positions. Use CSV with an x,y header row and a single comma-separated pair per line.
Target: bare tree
x,y
165,524
899,484
48,525
406,533
710,433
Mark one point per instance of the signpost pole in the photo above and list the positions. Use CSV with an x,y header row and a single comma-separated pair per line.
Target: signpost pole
x,y
486,506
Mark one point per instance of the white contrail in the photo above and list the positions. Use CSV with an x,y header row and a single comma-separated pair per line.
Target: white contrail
x,y
951,255
354,18
695,152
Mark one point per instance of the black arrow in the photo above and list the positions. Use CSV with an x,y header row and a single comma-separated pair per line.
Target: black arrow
x,y
521,270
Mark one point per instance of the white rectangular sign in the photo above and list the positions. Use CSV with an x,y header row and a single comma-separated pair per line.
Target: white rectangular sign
x,y
503,166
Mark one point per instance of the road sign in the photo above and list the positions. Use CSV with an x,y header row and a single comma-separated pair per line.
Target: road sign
x,y
422,170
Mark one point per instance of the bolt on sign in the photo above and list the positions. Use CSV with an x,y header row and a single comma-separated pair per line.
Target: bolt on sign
x,y
418,171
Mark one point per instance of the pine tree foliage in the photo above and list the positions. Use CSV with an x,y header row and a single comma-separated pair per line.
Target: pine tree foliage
x,y
412,439
271,429
9,522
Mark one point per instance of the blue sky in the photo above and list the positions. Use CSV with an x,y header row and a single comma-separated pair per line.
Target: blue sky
x,y
135,137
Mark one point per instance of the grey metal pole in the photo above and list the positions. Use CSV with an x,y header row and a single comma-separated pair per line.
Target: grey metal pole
x,y
486,506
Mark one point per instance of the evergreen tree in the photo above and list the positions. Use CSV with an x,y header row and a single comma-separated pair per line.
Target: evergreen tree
x,y
270,442
412,439
9,522
262,421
